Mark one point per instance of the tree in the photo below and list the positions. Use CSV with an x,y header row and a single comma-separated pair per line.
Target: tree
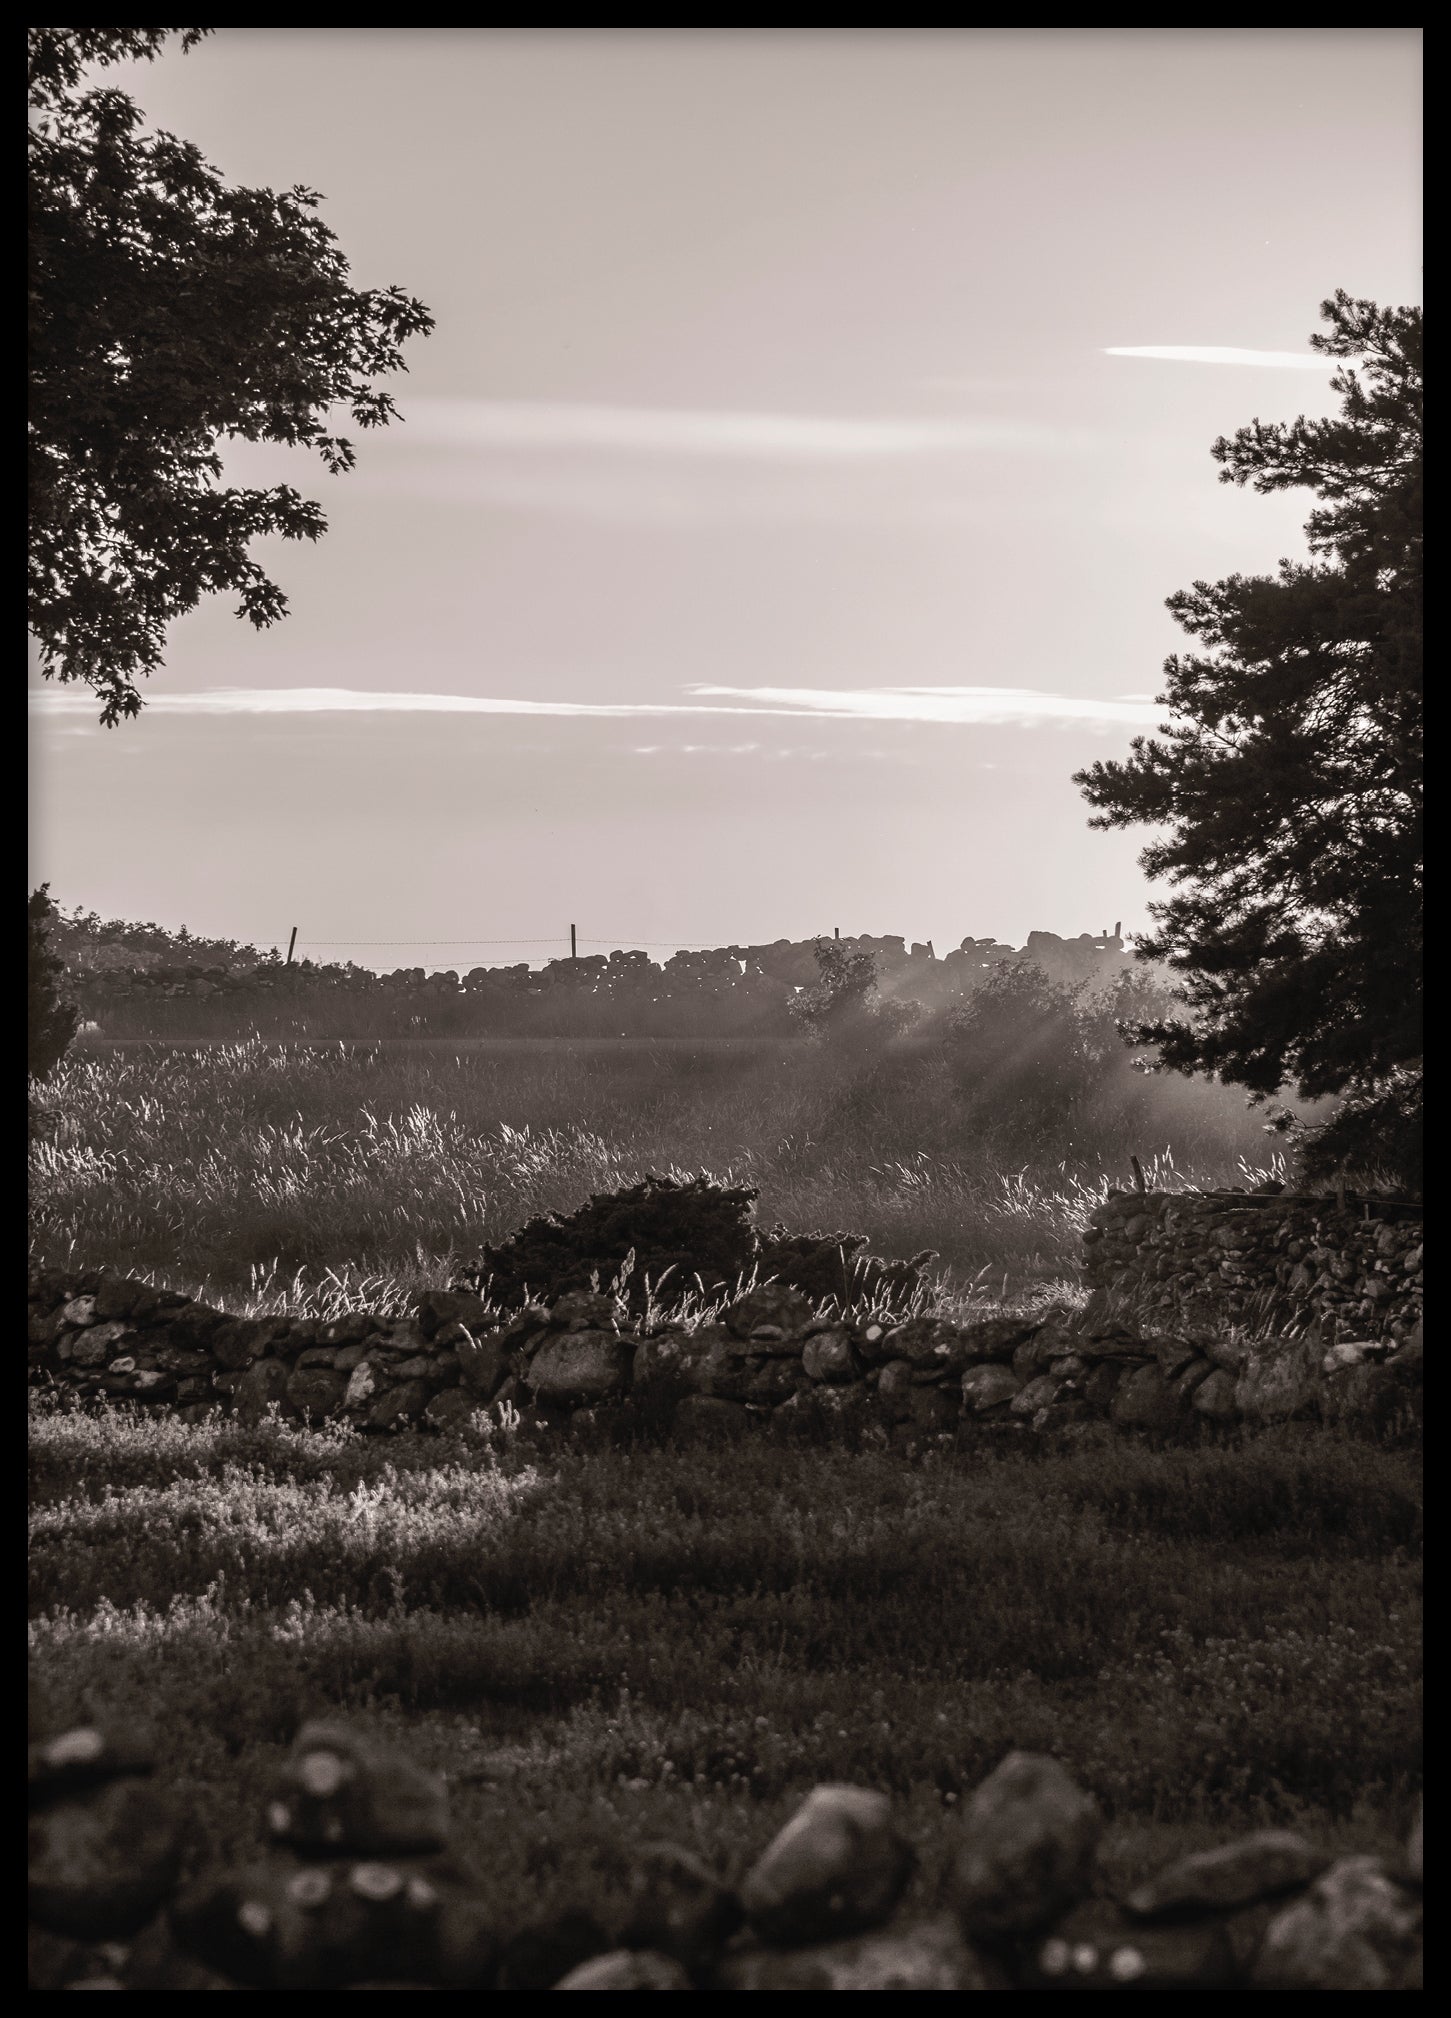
x,y
1288,788
53,1019
168,312
845,1006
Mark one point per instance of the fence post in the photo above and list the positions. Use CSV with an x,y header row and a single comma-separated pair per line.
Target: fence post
x,y
290,944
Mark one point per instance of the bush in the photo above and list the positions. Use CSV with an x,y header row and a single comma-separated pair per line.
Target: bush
x,y
697,1229
53,1018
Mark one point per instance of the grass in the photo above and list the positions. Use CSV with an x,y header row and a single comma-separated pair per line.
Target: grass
x,y
242,1168
600,1646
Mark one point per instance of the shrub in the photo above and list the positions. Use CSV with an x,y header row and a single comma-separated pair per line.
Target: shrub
x,y
53,1018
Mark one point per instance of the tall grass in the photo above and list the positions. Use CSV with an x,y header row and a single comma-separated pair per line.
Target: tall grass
x,y
248,1164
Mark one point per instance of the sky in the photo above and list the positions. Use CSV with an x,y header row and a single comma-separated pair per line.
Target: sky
x,y
784,506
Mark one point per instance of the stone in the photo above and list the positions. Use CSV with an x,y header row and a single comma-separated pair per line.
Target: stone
x,y
1096,1948
95,1345
342,1792
829,1356
1355,1929
988,1386
709,1416
1101,1383
576,1368
241,1340
117,1297
437,1307
929,1956
258,1386
931,1411
315,1391
1029,1836
1214,1397
537,1955
398,1406
1280,1378
349,1329
80,1310
1173,1354
84,1756
102,1862
626,1969
1254,1867
1145,1400
678,1907
838,1867
452,1409
894,1390
996,1338
583,1310
1040,1392
773,1304
732,1376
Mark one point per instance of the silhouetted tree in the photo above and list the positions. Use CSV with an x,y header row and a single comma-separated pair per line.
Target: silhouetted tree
x,y
845,1006
168,311
1288,787
53,1019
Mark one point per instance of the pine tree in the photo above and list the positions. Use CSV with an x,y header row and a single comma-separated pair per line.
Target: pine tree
x,y
1288,786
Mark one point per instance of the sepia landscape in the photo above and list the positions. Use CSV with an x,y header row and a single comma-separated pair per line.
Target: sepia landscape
x,y
786,1457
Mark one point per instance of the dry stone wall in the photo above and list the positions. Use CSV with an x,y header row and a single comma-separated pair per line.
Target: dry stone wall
x,y
1201,1261
359,1887
773,1363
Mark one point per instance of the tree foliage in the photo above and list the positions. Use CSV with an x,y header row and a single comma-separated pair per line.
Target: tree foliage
x,y
53,1018
845,1006
169,312
1287,789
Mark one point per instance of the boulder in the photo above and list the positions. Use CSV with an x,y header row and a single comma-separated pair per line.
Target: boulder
x,y
437,1307
1146,1400
929,1956
258,1386
1254,1867
1029,1836
102,1861
678,1907
829,1355
1095,1947
575,1368
583,1310
988,1386
1356,1928
398,1406
315,1391
342,1792
1280,1378
838,1867
773,1307
626,1969
1214,1397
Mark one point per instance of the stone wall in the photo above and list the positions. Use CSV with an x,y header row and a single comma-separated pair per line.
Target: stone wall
x,y
360,1887
1203,1260
772,1362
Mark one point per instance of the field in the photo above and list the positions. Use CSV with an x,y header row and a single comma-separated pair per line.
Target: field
x,y
602,1642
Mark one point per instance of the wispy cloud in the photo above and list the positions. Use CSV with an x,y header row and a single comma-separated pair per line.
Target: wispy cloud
x,y
707,432
1021,706
1218,353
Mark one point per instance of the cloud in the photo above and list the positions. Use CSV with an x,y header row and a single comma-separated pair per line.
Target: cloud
x,y
706,433
966,706
1217,353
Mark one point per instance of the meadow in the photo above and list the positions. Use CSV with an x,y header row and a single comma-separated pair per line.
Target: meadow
x,y
607,1637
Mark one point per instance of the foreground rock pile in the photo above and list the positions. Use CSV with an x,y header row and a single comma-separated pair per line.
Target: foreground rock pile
x,y
771,1362
1203,1259
360,1888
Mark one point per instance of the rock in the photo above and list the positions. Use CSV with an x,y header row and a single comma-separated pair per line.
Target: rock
x,y
102,1862
347,1794
1040,1392
987,1386
1173,1355
1096,1948
258,1386
929,1343
1145,1400
315,1391
1280,1378
996,1338
771,1304
583,1310
82,1757
732,1375
678,1906
1101,1383
837,1867
350,1329
117,1296
578,1367
1029,1838
1256,1866
894,1390
324,1926
1227,1353
626,1969
829,1356
398,1406
929,1956
80,1310
1214,1397
437,1307
452,1409
93,1346
1355,1929
241,1340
